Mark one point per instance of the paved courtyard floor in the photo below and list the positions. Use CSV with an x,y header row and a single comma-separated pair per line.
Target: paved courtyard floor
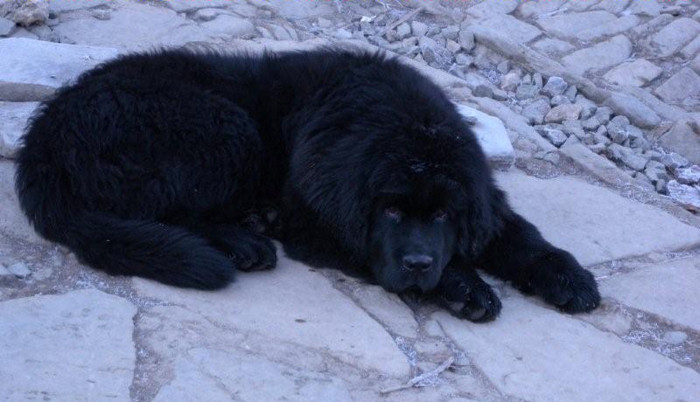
x,y
69,333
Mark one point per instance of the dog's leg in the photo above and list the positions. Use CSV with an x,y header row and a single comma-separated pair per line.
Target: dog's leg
x,y
249,251
466,294
519,254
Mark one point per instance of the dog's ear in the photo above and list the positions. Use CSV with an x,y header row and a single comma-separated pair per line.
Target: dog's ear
x,y
481,221
333,182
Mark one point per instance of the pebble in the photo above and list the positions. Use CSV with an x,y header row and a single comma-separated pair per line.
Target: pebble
x,y
674,161
617,129
559,100
603,114
556,137
6,27
453,46
324,23
687,196
639,113
451,32
601,138
571,92
535,112
19,270
526,91
588,107
590,124
418,28
554,86
434,53
656,171
466,39
597,148
563,112
343,34
550,156
503,67
403,31
689,175
463,59
537,80
675,337
618,153
483,91
510,81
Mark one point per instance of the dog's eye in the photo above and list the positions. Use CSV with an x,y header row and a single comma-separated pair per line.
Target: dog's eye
x,y
440,216
393,213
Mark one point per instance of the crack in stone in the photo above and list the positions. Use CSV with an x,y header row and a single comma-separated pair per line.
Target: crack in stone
x,y
651,332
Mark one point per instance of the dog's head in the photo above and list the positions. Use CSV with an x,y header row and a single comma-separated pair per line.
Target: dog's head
x,y
398,180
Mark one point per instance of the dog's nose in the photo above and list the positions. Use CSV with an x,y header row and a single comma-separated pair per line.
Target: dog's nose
x,y
417,262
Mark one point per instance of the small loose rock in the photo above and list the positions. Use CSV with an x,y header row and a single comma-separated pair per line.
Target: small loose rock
x,y
526,91
19,270
689,175
535,112
554,86
674,161
687,196
563,112
556,137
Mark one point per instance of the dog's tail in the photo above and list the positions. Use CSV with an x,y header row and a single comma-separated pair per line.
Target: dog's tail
x,y
149,249
146,248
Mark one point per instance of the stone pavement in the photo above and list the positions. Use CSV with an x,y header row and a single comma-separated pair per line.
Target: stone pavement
x,y
550,74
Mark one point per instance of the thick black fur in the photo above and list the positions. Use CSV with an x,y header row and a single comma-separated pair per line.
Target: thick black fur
x,y
148,164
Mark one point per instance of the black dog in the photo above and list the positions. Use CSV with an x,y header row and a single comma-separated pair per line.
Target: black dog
x,y
148,164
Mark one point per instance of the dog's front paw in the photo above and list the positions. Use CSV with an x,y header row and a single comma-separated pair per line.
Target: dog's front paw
x,y
253,252
560,280
468,296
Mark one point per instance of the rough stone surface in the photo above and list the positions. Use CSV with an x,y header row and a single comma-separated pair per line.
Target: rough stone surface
x,y
300,333
13,118
512,27
321,318
553,46
572,356
683,139
28,63
674,36
595,224
75,346
667,290
609,28
636,73
483,10
682,88
602,55
133,27
220,375
570,26
60,6
638,113
492,136
229,25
